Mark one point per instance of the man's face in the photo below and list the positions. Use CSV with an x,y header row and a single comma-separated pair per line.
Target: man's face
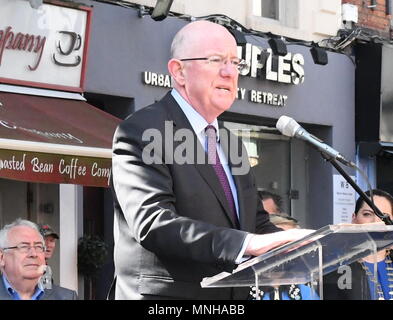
x,y
367,215
50,243
19,266
211,88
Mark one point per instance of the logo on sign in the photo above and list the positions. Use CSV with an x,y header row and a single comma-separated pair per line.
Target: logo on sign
x,y
69,43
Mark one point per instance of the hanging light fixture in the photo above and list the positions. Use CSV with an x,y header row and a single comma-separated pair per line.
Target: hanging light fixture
x,y
319,55
161,9
239,36
278,46
35,4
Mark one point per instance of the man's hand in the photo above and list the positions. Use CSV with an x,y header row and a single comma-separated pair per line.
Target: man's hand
x,y
261,243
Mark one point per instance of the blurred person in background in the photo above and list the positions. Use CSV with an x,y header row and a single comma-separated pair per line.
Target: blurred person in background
x,y
272,202
50,237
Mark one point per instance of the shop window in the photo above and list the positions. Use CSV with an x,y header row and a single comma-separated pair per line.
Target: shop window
x,y
269,15
267,8
269,157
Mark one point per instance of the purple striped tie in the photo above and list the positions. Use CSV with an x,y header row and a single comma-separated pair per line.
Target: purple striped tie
x,y
214,160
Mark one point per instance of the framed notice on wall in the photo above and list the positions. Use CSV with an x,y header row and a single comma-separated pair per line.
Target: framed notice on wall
x,y
44,47
343,200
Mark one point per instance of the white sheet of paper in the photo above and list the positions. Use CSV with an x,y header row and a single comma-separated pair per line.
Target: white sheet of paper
x,y
343,200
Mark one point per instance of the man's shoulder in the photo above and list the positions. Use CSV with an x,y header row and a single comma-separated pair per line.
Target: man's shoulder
x,y
156,110
154,116
59,293
3,291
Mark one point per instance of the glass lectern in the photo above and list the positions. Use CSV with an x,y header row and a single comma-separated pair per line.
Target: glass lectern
x,y
307,260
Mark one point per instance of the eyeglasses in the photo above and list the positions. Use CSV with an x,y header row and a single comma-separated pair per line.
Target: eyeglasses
x,y
25,248
218,62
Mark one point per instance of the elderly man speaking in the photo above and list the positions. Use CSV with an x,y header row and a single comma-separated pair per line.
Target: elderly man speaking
x,y
177,222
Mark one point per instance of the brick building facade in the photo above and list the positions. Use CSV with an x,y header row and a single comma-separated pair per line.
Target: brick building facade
x,y
375,16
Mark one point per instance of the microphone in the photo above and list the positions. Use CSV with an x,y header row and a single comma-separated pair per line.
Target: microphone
x,y
289,127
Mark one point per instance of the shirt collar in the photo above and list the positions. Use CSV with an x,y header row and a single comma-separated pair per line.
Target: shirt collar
x,y
15,295
198,123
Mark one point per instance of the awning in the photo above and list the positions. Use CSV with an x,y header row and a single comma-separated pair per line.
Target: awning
x,y
54,140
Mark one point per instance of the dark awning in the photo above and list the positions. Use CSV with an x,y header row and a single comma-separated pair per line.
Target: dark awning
x,y
54,140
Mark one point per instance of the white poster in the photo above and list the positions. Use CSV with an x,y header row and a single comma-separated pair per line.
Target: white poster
x,y
44,47
343,200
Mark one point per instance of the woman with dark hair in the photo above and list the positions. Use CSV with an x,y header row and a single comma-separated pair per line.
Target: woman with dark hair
x,y
368,215
382,287
363,285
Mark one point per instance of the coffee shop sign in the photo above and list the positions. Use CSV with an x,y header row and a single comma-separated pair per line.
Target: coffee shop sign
x,y
27,166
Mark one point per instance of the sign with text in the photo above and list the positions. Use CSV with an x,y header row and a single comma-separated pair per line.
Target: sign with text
x,y
343,200
44,47
54,168
262,97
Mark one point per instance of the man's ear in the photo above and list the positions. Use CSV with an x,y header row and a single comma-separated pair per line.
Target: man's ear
x,y
2,263
176,70
353,218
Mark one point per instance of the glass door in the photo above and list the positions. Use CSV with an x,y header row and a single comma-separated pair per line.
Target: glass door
x,y
280,165
269,156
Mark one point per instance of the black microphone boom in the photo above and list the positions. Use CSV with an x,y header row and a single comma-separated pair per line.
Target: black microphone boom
x,y
289,127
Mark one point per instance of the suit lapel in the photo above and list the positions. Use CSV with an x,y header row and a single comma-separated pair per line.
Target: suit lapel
x,y
246,221
237,159
199,158
226,142
47,294
210,176
3,291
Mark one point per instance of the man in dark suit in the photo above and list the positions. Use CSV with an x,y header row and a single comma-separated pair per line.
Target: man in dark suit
x,y
22,263
182,214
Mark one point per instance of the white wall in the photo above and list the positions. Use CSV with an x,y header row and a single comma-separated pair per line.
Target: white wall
x,y
71,215
310,20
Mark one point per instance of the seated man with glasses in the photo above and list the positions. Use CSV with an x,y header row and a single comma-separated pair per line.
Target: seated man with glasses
x,y
22,263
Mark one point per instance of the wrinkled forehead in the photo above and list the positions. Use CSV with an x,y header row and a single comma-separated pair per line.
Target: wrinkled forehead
x,y
205,38
21,234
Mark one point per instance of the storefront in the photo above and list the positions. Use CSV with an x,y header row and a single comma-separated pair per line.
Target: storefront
x,y
132,52
126,71
53,144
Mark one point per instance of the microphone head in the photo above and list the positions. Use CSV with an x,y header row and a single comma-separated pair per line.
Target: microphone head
x,y
287,126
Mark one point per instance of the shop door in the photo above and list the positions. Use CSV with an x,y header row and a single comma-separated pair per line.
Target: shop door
x,y
278,163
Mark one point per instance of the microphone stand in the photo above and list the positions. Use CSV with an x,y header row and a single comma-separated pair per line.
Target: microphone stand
x,y
385,218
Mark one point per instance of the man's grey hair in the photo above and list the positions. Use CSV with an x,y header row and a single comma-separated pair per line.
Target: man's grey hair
x,y
177,43
18,222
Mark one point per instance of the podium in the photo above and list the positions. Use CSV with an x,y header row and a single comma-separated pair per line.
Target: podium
x,y
307,260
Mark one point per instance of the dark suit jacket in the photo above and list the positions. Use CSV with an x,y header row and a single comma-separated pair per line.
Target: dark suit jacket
x,y
358,290
56,293
173,225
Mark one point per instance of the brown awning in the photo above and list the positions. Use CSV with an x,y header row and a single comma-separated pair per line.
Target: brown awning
x,y
54,140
